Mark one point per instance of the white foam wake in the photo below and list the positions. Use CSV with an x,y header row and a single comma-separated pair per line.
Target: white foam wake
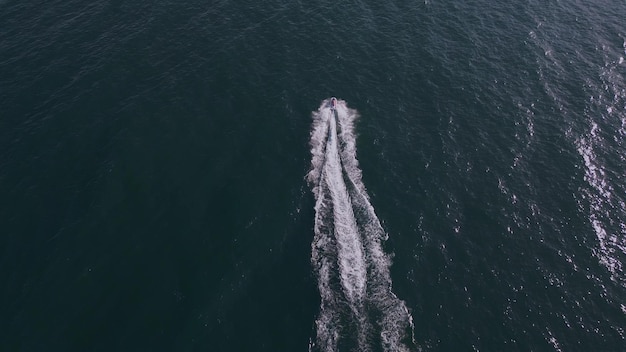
x,y
358,310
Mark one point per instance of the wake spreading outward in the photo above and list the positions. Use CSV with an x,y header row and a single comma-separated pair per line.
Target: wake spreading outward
x,y
358,310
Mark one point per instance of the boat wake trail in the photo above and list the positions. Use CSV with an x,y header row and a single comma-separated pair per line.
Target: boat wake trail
x,y
358,310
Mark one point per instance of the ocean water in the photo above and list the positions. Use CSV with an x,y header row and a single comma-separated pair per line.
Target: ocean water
x,y
172,177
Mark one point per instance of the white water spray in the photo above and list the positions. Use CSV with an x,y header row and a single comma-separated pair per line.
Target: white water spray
x,y
358,310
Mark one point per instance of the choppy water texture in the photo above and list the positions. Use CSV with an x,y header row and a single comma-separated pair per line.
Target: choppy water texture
x,y
156,174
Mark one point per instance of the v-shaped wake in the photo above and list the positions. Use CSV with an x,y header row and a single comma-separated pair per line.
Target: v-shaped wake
x,y
358,310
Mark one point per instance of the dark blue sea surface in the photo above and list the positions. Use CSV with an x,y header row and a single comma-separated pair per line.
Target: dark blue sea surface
x,y
156,190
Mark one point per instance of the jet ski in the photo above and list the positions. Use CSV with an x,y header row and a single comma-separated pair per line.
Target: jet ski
x,y
333,103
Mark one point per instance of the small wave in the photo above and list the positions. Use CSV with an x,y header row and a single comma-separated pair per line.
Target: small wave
x,y
604,141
